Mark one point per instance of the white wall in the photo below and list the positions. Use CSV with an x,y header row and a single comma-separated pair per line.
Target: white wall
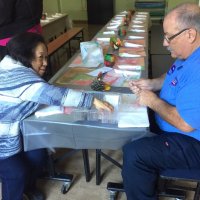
x,y
173,3
121,5
77,9
50,6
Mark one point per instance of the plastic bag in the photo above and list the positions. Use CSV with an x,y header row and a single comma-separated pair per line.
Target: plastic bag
x,y
91,53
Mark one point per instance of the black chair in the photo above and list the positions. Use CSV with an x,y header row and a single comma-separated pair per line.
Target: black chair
x,y
167,186
168,178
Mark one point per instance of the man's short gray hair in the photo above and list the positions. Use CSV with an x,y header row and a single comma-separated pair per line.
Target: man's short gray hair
x,y
187,16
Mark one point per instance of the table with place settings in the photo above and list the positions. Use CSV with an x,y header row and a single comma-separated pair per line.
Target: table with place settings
x,y
54,25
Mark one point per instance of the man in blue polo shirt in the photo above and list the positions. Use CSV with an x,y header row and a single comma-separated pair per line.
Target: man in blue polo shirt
x,y
177,109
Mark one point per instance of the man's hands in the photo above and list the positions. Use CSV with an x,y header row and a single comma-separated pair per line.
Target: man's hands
x,y
145,97
144,84
143,89
102,105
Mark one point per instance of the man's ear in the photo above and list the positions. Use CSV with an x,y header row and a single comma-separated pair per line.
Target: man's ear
x,y
192,34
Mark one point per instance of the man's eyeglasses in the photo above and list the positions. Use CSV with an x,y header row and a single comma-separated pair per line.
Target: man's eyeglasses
x,y
169,39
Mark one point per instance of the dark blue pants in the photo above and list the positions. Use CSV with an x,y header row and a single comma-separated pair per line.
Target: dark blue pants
x,y
144,158
19,173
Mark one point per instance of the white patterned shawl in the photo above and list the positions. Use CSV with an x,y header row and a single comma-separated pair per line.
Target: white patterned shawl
x,y
21,92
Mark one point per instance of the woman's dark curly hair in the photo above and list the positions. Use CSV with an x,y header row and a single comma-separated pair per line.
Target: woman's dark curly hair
x,y
22,47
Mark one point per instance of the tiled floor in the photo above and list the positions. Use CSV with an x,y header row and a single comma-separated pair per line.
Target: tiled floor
x,y
82,190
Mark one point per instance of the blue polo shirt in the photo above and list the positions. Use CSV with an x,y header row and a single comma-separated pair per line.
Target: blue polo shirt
x,y
181,88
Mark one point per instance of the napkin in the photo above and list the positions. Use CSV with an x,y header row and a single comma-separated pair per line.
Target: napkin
x,y
138,119
130,67
49,110
129,55
128,44
135,37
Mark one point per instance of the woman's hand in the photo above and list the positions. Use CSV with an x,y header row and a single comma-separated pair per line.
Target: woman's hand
x,y
102,105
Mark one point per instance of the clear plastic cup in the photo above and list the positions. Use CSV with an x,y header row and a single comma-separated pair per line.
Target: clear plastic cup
x,y
108,117
93,115
79,115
